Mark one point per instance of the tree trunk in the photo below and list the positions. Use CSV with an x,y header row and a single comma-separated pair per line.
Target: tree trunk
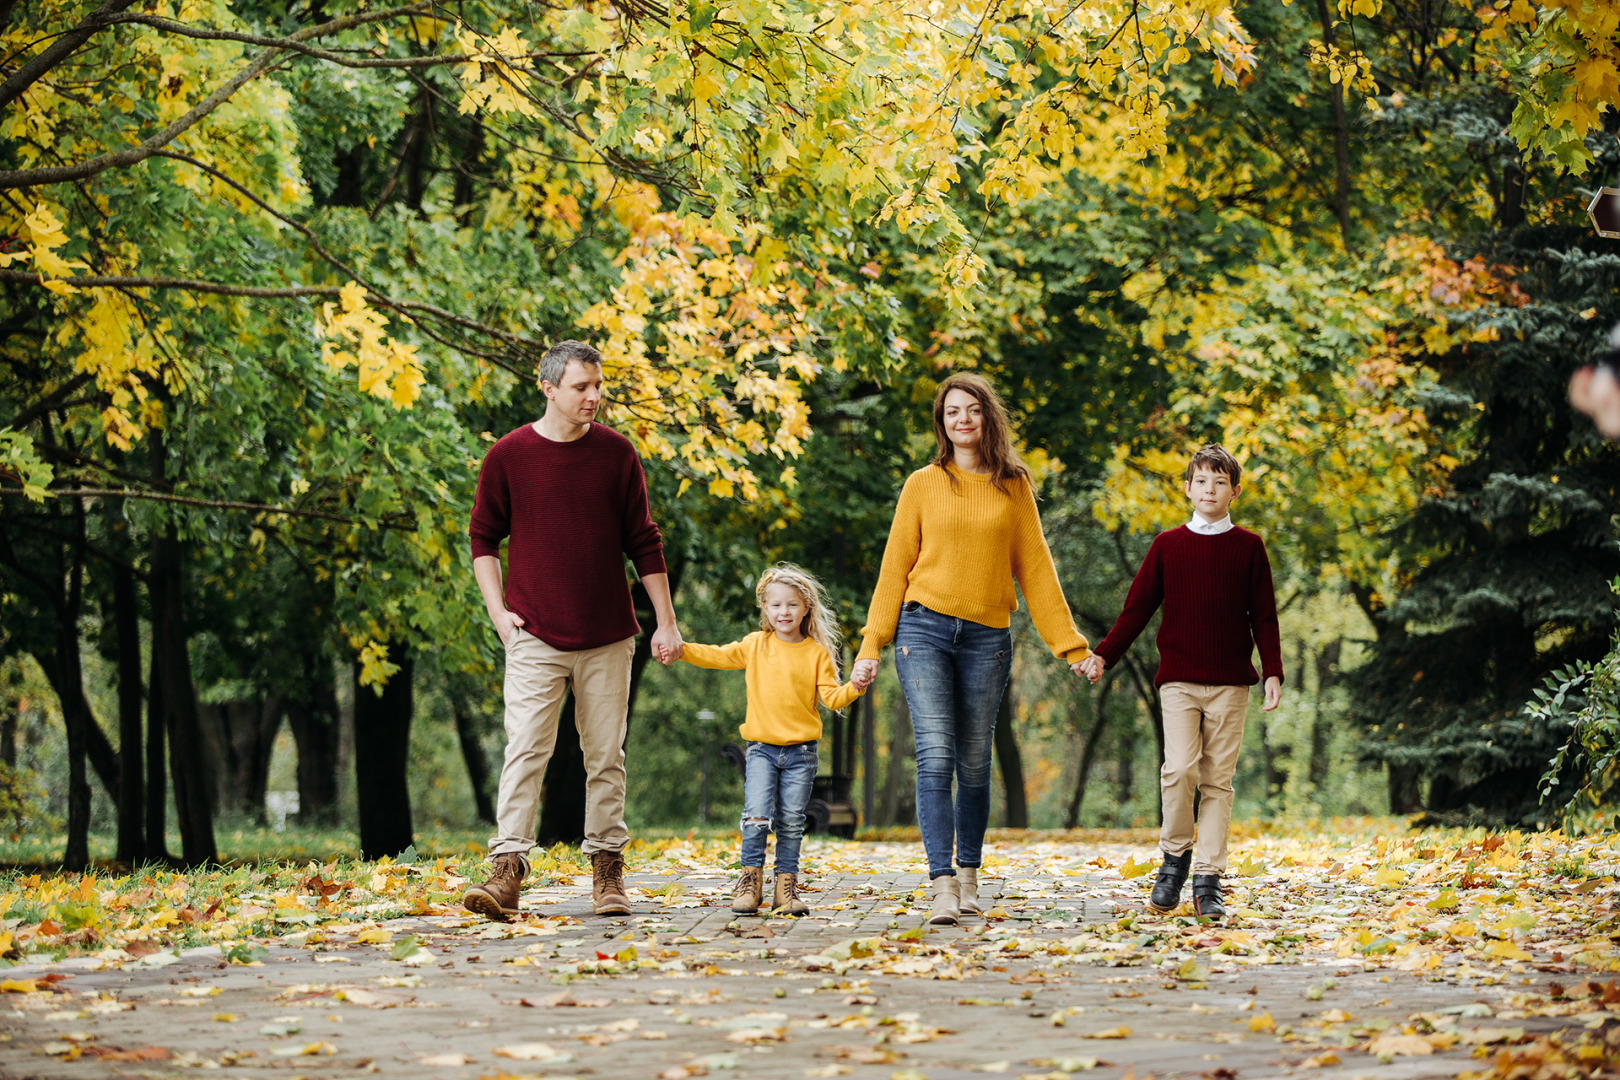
x,y
1016,815
382,743
243,734
188,764
1124,780
562,796
157,777
1341,137
897,810
868,711
131,780
471,151
1510,208
1276,773
1071,817
62,667
1404,794
312,716
472,752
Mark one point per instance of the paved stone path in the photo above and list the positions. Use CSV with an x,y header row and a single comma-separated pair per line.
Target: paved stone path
x,y
860,988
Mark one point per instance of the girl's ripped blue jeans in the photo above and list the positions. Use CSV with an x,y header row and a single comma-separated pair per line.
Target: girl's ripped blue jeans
x,y
953,672
776,789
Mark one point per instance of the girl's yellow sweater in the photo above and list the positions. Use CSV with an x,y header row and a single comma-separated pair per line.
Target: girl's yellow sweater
x,y
784,680
957,549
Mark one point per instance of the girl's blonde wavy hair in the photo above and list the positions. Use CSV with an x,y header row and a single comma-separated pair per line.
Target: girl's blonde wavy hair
x,y
818,625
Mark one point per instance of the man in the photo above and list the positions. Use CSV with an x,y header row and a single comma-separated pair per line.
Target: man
x,y
571,495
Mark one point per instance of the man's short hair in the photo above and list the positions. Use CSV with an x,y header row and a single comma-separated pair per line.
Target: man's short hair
x,y
555,362
1216,458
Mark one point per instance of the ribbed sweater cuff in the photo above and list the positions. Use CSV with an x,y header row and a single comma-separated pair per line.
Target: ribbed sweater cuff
x,y
480,548
650,564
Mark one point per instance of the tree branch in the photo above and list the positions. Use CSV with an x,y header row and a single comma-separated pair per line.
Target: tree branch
x,y
59,50
49,403
108,281
210,504
209,33
56,174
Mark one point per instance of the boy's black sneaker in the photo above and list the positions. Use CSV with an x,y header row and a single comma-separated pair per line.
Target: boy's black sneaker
x,y
1207,896
1167,887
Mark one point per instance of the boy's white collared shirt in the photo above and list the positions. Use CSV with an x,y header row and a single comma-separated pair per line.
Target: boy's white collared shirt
x,y
1210,528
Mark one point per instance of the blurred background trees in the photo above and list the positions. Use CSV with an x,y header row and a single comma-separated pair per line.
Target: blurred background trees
x,y
256,365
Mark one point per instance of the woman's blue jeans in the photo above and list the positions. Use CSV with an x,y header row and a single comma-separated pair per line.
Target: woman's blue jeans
x,y
777,781
953,672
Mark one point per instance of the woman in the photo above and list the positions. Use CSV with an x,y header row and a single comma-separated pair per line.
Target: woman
x,y
964,530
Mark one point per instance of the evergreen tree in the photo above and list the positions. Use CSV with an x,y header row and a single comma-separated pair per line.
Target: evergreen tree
x,y
1507,569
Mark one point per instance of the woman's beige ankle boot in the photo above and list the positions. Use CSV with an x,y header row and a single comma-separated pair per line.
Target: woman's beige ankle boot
x,y
947,907
967,883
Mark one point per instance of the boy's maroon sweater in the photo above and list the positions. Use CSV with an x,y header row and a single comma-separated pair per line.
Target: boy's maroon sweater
x,y
573,510
1218,604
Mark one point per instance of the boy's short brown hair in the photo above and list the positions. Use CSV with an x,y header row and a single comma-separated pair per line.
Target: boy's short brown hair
x,y
1216,458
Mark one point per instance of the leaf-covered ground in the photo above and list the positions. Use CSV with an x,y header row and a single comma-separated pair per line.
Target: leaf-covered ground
x,y
1360,944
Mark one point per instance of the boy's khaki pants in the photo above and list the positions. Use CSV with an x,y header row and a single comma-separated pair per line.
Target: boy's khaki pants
x,y
1203,730
537,679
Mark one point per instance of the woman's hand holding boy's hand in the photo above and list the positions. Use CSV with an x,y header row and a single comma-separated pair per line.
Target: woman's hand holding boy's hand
x,y
1273,693
863,674
1091,668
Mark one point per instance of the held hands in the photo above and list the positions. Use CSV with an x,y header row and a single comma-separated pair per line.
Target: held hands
x,y
1273,693
1090,669
863,674
667,645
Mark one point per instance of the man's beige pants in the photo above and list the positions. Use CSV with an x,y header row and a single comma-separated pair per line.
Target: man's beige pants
x,y
537,679
1203,731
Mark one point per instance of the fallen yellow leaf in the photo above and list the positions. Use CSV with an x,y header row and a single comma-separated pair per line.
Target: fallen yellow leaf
x,y
1263,1022
1506,950
1400,1045
1121,1032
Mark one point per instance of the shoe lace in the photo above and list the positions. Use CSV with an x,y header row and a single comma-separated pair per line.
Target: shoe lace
x,y
746,883
506,870
790,888
610,874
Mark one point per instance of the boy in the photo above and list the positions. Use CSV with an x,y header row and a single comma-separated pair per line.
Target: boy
x,y
1214,581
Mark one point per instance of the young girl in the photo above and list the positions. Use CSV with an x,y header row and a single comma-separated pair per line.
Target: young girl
x,y
791,661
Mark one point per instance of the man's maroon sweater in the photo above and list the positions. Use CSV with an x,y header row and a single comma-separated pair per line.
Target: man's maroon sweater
x,y
1218,604
573,510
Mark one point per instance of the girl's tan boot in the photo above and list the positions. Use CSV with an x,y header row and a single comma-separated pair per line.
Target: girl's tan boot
x,y
786,900
745,901
967,884
947,902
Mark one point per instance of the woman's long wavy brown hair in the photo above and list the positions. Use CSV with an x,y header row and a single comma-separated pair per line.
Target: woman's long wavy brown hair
x,y
995,442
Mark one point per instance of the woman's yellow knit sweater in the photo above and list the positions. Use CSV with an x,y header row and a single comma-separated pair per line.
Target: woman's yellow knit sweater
x,y
957,549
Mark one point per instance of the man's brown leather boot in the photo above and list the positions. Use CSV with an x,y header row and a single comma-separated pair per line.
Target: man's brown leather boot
x,y
497,898
607,883
786,901
745,900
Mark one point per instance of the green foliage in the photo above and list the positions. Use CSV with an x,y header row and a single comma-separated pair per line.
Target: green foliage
x,y
1583,697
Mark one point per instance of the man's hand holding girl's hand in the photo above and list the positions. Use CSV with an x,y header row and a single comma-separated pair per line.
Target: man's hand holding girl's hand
x,y
667,644
863,674
1090,669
